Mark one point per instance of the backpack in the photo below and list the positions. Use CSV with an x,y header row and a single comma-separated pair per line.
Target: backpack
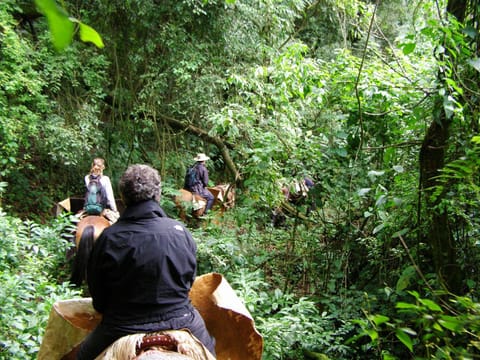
x,y
190,177
96,197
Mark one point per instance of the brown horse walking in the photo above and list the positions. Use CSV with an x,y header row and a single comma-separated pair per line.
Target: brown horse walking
x,y
224,198
88,230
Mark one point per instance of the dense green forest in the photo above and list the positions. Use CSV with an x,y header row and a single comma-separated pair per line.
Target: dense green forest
x,y
377,101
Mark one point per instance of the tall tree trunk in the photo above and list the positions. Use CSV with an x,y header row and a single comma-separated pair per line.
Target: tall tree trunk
x,y
439,236
432,160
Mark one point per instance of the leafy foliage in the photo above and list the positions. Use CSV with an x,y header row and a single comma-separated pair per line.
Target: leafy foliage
x,y
43,129
342,91
438,328
32,260
62,26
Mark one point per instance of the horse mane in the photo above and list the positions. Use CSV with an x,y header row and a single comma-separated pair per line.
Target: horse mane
x,y
88,230
85,246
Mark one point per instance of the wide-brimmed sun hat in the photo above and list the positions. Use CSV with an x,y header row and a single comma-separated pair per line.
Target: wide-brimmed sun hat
x,y
201,157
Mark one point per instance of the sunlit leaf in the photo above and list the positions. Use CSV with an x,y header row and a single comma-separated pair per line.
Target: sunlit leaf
x,y
378,228
372,174
404,338
379,319
408,331
403,305
408,48
398,168
450,323
430,305
61,27
88,34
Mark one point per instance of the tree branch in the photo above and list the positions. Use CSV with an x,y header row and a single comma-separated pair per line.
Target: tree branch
x,y
215,140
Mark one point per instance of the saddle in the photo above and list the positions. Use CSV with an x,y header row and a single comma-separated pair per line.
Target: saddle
x,y
226,317
171,344
150,341
197,203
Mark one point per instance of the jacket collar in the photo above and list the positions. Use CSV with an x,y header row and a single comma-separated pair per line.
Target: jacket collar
x,y
142,210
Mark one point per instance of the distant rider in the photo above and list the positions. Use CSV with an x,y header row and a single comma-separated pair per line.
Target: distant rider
x,y
200,187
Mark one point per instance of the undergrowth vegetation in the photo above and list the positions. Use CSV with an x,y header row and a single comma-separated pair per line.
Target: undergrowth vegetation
x,y
377,102
327,318
33,267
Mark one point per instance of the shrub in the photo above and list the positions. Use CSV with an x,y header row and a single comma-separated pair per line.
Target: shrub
x,y
32,259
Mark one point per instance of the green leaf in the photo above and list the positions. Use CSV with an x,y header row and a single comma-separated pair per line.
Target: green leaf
x,y
61,28
88,34
475,63
403,305
437,326
379,319
450,323
378,228
454,85
400,233
404,280
404,338
387,356
372,333
408,48
430,305
363,192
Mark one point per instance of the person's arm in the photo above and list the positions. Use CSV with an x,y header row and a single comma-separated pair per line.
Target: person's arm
x,y
95,271
109,190
192,249
204,175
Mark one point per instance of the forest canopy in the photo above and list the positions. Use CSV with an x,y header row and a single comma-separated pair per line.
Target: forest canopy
x,y
376,101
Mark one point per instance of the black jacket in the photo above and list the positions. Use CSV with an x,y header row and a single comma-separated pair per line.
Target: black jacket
x,y
142,268
202,177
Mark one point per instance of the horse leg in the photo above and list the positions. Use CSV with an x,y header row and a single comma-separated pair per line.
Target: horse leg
x,y
85,246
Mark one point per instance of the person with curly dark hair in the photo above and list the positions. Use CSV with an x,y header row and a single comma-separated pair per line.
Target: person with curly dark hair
x,y
141,270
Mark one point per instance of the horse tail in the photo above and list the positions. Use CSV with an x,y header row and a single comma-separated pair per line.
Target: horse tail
x,y
84,248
